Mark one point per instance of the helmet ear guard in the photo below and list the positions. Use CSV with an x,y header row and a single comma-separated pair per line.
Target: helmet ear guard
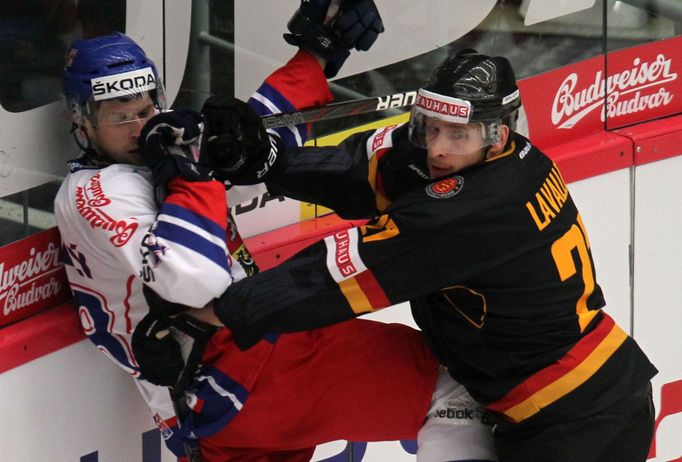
x,y
492,133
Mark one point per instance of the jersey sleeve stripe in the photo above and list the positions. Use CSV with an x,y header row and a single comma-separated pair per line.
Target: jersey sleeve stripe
x,y
272,100
217,240
225,392
205,198
355,296
363,293
215,400
346,267
273,103
555,381
375,294
200,221
182,236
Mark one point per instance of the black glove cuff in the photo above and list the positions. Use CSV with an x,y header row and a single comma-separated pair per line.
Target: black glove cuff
x,y
230,311
193,172
323,42
334,65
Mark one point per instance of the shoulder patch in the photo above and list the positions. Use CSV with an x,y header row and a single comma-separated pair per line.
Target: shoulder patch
x,y
380,139
445,188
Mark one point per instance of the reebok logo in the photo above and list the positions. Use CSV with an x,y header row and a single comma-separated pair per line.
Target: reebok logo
x,y
452,413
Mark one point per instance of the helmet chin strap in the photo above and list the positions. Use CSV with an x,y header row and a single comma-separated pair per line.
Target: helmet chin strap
x,y
94,156
74,132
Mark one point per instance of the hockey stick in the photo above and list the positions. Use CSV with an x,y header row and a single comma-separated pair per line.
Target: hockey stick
x,y
159,309
342,109
193,453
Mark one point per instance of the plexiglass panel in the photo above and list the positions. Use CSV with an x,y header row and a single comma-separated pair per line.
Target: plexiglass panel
x,y
34,37
640,39
538,36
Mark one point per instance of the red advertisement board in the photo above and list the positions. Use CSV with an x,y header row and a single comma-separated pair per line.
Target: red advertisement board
x,y
32,277
624,87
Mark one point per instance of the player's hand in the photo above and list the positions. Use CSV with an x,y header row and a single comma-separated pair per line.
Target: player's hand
x,y
170,145
240,149
157,352
357,24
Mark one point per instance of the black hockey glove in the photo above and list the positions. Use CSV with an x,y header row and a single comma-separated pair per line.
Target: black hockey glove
x,y
240,149
357,25
170,145
157,352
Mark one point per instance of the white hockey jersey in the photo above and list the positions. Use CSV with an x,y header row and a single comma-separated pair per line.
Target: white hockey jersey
x,y
115,239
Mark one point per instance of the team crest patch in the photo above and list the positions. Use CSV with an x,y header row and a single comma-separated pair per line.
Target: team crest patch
x,y
445,188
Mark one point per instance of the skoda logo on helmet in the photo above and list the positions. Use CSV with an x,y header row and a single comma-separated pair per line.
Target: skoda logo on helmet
x,y
124,84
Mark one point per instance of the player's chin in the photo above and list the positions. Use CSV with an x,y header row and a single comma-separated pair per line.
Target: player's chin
x,y
134,157
437,172
131,157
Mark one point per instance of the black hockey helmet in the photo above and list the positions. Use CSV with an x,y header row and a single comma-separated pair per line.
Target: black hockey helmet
x,y
468,87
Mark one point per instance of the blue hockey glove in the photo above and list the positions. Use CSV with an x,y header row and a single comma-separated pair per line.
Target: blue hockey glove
x,y
170,145
359,24
356,25
240,149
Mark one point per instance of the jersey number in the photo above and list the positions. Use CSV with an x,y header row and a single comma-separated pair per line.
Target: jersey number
x,y
562,251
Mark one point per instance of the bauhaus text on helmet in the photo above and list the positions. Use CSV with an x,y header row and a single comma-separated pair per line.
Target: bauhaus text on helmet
x,y
468,87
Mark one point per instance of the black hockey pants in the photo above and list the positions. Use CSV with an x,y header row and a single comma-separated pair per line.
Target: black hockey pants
x,y
621,433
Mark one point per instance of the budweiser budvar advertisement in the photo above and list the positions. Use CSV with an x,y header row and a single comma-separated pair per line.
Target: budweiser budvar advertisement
x,y
32,277
625,87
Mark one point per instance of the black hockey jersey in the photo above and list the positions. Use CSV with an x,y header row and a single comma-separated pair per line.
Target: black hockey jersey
x,y
495,261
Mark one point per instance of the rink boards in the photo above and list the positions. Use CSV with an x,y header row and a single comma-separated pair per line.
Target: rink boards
x,y
56,385
63,401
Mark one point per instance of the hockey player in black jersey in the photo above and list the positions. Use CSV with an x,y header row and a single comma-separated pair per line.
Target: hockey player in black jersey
x,y
476,228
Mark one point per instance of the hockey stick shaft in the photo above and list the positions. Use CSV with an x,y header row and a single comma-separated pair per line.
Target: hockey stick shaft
x,y
193,453
342,109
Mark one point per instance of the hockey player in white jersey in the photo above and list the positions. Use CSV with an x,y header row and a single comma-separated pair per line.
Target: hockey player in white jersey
x,y
141,224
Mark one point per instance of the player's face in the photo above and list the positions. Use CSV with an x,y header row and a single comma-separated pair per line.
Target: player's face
x,y
118,127
452,147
